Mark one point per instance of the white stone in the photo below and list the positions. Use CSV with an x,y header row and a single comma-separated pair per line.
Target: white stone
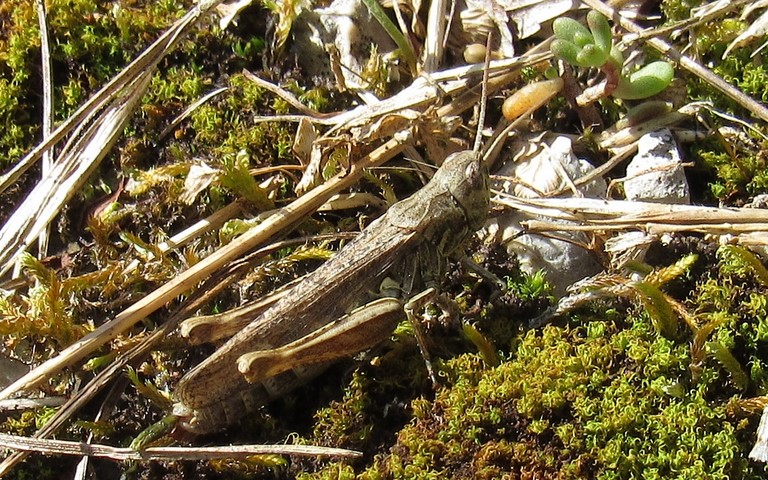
x,y
553,166
656,173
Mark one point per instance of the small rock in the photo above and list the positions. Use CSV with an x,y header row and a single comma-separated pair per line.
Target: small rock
x,y
346,26
563,261
656,173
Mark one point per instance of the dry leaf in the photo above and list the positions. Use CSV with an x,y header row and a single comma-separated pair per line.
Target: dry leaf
x,y
199,177
229,11
306,134
757,29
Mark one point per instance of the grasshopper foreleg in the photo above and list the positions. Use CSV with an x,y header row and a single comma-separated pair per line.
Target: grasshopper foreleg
x,y
417,304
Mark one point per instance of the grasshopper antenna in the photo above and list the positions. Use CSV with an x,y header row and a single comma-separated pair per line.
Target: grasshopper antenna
x,y
483,95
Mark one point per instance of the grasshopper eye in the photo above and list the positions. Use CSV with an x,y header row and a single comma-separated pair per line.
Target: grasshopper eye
x,y
473,169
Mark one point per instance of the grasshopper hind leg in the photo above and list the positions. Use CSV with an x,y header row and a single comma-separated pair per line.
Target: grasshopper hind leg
x,y
231,410
274,372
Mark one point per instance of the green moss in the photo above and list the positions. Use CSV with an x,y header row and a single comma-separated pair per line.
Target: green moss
x,y
46,315
90,42
563,408
179,84
598,398
347,421
529,287
713,38
224,127
676,10
739,169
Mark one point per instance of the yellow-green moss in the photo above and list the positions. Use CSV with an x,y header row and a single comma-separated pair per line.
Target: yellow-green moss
x,y
90,42
596,398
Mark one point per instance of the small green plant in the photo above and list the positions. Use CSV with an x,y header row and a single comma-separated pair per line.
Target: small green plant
x,y
530,286
594,48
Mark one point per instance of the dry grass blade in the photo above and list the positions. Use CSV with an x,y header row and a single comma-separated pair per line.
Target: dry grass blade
x,y
607,215
87,393
62,447
421,92
47,124
68,174
436,28
29,403
425,90
760,450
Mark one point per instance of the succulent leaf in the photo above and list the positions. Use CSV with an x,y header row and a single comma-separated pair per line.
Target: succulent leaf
x,y
616,57
592,56
569,29
648,81
601,30
565,50
583,39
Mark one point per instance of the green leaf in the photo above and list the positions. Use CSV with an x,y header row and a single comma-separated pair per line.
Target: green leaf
x,y
601,30
658,308
236,176
565,50
592,56
582,39
570,30
485,347
729,362
648,81
616,57
154,432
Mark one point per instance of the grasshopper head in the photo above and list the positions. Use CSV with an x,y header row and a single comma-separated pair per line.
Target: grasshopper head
x,y
466,177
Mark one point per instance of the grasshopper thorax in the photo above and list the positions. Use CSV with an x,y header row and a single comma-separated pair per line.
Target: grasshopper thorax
x,y
466,178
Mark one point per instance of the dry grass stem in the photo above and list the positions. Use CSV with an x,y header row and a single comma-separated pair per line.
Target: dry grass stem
x,y
62,447
47,116
589,214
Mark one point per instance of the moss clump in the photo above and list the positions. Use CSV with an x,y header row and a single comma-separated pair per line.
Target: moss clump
x,y
676,10
584,402
90,41
604,398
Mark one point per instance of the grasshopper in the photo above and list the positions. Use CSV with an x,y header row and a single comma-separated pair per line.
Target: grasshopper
x,y
315,323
